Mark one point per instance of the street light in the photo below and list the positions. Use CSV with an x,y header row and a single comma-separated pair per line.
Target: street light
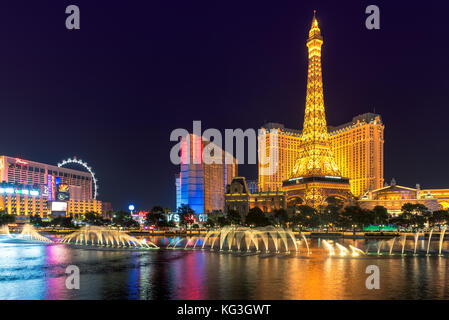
x,y
131,208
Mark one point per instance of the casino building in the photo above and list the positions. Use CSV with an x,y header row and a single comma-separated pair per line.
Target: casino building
x,y
199,184
357,147
30,188
393,197
321,159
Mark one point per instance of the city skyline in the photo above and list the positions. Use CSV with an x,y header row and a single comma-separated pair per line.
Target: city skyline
x,y
112,93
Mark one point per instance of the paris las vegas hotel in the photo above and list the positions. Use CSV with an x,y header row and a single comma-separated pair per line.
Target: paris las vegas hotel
x,y
358,150
30,188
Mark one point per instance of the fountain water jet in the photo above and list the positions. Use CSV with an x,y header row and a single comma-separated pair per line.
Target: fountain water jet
x,y
441,239
307,244
355,252
428,242
343,250
329,248
403,241
101,236
416,236
244,239
30,233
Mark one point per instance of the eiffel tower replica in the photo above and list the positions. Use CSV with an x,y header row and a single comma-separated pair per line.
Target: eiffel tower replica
x,y
315,177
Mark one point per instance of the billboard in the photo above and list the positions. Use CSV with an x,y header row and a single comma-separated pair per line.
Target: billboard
x,y
51,187
63,192
59,206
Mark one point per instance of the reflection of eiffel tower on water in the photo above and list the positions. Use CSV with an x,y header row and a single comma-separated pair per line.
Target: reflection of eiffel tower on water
x,y
316,176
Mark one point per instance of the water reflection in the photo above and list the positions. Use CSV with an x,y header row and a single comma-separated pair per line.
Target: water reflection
x,y
37,271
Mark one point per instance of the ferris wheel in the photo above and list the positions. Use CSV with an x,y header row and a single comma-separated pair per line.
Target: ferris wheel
x,y
86,166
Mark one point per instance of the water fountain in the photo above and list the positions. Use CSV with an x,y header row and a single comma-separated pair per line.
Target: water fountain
x,y
4,229
379,246
391,244
328,246
105,237
428,242
30,233
403,240
441,239
343,250
247,239
355,252
416,237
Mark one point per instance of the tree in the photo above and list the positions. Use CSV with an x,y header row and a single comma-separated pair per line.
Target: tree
x,y
156,217
305,216
65,222
185,215
36,220
124,219
280,217
256,217
6,218
93,218
353,216
415,215
439,217
233,217
380,215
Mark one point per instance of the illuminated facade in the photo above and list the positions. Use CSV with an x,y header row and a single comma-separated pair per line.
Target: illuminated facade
x,y
75,207
442,195
241,199
14,170
202,185
393,197
315,176
22,200
358,147
29,188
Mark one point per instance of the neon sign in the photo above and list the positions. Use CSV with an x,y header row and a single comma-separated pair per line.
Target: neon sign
x,y
20,161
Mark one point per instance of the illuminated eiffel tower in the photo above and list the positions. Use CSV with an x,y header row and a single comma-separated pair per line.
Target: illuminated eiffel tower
x,y
315,176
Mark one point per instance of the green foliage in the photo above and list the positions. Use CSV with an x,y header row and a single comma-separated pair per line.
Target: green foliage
x,y
439,217
95,219
124,219
280,217
6,218
233,217
65,222
380,215
256,218
156,217
185,213
413,215
36,220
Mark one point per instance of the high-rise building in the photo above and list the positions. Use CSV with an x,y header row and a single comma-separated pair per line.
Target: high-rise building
x,y
315,177
357,147
199,184
30,188
253,186
26,172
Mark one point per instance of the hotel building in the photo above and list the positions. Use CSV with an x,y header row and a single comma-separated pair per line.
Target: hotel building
x,y
29,188
240,198
393,197
15,170
202,185
357,147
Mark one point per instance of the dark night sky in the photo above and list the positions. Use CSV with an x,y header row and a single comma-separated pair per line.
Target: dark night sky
x,y
112,92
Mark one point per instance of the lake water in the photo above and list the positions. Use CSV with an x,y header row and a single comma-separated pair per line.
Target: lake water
x,y
37,271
